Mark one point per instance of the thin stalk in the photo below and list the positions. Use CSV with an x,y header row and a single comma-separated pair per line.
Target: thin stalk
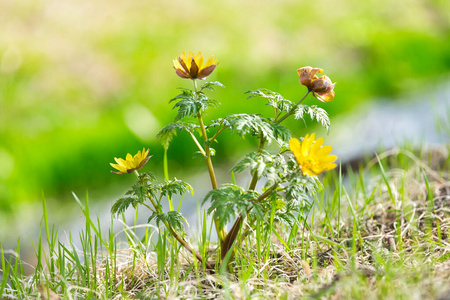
x,y
166,176
293,108
237,224
174,233
232,234
219,131
197,143
254,181
209,164
220,231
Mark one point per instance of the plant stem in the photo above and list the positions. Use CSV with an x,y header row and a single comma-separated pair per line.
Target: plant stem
x,y
254,181
197,143
219,131
166,176
209,165
172,231
233,233
231,236
293,108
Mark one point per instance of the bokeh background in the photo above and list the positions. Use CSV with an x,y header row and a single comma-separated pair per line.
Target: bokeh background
x,y
84,81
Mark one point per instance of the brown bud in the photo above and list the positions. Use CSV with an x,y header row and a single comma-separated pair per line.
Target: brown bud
x,y
307,75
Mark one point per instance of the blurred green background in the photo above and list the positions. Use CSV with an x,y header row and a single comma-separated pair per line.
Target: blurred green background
x,y
84,81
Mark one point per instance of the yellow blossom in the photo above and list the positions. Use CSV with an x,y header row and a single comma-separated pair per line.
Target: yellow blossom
x,y
321,87
131,163
192,67
312,157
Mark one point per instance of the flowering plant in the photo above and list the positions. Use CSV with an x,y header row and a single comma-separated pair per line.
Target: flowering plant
x,y
288,177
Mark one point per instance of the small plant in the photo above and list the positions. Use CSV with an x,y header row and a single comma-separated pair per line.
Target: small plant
x,y
288,180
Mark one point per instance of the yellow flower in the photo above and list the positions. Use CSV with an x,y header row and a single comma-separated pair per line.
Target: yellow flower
x,y
312,157
131,163
321,87
192,67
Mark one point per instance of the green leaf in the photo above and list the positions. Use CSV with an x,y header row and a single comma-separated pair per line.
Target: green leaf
x,y
281,133
190,103
123,203
138,193
266,164
299,187
273,99
230,200
166,134
314,112
174,218
244,124
177,187
211,85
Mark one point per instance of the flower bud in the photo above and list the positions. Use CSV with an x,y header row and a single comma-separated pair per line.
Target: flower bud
x,y
307,75
322,84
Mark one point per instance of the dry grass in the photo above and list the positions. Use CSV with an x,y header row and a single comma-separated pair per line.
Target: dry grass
x,y
402,250
382,242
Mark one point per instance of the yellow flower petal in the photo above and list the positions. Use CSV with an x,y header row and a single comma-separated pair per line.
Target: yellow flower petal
x,y
192,67
311,156
199,60
189,59
131,163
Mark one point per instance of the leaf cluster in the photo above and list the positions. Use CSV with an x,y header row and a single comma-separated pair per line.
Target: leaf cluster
x,y
281,104
147,188
230,200
293,192
175,187
174,218
298,186
264,163
189,103
273,99
136,195
253,124
166,134
314,112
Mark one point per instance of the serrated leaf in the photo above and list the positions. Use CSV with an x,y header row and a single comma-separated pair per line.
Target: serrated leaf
x,y
211,85
265,163
174,218
244,124
177,187
122,204
315,112
281,133
230,200
167,133
189,103
273,99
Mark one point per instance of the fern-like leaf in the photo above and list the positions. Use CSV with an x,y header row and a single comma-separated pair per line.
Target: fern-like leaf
x,y
121,205
211,85
230,200
177,187
314,112
174,218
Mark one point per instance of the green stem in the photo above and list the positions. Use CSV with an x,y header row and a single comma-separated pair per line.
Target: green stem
x,y
220,231
219,131
197,143
173,232
255,178
293,108
231,236
166,176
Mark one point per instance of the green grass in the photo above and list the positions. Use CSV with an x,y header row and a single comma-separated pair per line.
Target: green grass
x,y
379,232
